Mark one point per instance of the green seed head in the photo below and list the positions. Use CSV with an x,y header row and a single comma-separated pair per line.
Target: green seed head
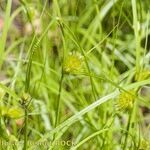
x,y
15,112
73,63
144,145
11,112
145,74
126,100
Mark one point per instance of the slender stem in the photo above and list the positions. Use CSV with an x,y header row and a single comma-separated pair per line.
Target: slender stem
x,y
3,38
128,129
58,100
25,128
58,103
62,72
137,36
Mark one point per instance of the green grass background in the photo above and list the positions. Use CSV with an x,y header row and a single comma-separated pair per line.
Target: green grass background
x,y
36,39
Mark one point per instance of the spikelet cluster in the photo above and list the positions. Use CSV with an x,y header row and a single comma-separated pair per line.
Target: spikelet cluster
x,y
144,145
143,75
126,100
73,63
13,112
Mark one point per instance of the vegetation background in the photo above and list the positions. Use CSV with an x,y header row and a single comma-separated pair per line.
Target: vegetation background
x,y
77,71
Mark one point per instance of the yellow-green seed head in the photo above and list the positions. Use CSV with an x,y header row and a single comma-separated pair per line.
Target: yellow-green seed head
x,y
15,112
73,63
126,100
143,75
144,145
11,112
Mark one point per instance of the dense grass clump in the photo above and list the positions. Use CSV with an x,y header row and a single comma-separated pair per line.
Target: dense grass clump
x,y
75,74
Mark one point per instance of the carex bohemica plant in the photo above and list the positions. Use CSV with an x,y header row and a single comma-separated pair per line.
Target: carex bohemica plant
x,y
144,144
25,101
126,100
73,63
143,75
75,59
13,112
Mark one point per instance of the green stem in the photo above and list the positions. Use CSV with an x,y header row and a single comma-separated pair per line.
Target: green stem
x,y
128,129
3,38
130,121
137,36
62,72
58,100
25,128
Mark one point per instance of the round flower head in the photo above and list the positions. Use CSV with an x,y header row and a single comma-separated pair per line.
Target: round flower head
x,y
15,112
73,63
11,112
126,100
144,145
145,74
